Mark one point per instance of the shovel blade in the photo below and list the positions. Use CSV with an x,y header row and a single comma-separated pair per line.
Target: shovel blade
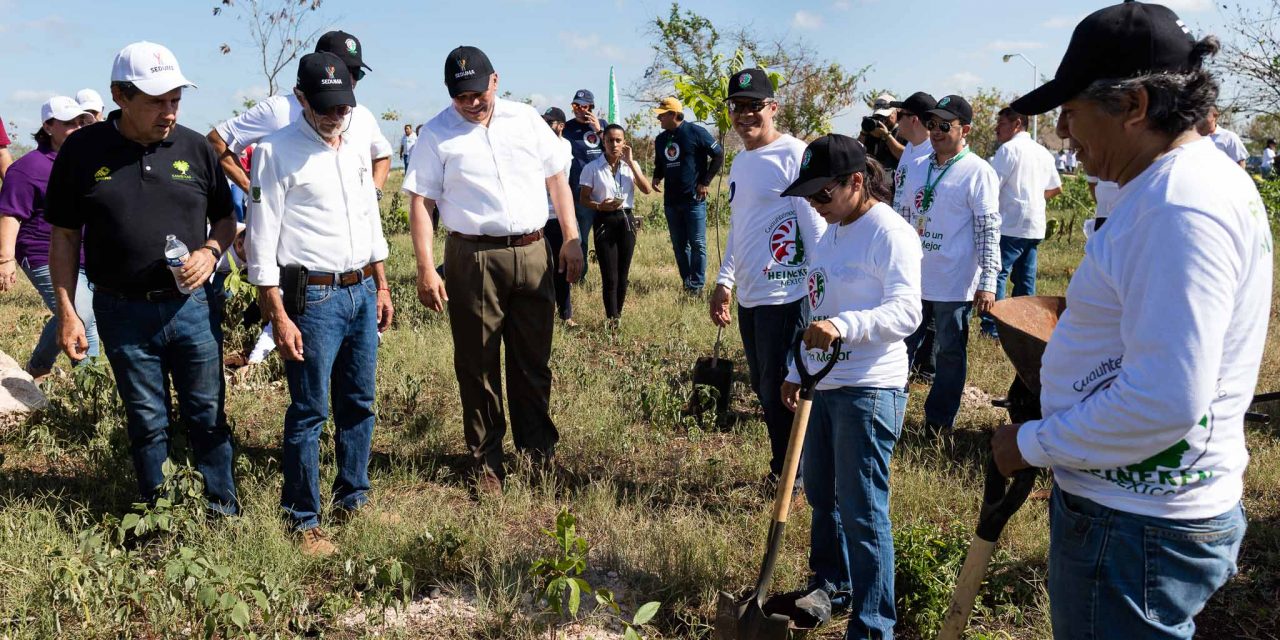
x,y
785,617
716,373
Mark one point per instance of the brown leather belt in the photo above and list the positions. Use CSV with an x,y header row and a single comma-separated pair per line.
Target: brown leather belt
x,y
506,241
344,279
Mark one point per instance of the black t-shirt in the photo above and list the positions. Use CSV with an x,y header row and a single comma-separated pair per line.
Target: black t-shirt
x,y
879,149
684,158
587,144
128,197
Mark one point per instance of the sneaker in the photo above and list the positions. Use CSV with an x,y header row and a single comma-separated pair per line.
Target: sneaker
x,y
315,544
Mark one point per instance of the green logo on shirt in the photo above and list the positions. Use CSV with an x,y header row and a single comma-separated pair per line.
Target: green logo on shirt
x,y
257,194
102,174
182,167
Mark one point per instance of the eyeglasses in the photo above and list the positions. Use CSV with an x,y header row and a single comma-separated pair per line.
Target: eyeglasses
x,y
337,112
356,73
824,196
940,125
755,106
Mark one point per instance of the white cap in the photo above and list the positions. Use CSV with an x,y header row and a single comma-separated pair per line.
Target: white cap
x,y
89,100
61,108
150,67
882,106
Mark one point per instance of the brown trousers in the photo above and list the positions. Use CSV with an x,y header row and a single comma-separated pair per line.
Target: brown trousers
x,y
502,295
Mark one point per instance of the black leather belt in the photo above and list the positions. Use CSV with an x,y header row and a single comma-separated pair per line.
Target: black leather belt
x,y
344,279
506,241
157,295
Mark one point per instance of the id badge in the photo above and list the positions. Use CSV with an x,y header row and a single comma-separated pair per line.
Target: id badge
x,y
922,221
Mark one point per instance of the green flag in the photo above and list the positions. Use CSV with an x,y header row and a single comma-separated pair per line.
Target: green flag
x,y
613,98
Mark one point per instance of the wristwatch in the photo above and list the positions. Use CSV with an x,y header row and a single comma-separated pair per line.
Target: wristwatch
x,y
378,192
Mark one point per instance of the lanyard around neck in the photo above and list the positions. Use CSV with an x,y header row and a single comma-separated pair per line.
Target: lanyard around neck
x,y
930,183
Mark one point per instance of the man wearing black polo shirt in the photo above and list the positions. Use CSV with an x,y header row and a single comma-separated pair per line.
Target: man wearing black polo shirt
x,y
583,133
688,158
128,183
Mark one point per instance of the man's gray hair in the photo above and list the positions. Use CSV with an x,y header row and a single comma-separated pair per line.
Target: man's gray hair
x,y
1175,101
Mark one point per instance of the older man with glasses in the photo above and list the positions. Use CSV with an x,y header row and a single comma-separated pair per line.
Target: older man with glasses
x,y
952,200
316,250
1149,373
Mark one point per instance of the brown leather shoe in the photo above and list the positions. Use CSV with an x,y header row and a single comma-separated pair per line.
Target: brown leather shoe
x,y
487,482
315,544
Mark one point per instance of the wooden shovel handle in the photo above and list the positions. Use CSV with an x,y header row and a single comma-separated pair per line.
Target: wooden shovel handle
x,y
791,464
967,586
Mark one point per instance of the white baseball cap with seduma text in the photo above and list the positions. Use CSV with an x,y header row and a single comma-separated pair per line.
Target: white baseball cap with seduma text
x,y
150,67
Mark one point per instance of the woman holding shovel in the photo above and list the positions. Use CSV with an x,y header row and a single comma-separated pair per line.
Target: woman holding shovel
x,y
864,288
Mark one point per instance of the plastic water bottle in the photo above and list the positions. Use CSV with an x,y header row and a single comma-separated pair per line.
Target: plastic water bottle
x,y
175,255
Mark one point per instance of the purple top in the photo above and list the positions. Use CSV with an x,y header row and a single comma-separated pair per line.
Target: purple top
x,y
22,197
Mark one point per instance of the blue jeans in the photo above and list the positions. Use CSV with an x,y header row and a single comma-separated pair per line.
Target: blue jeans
x,y
950,344
340,348
47,348
687,223
768,332
1120,575
852,431
149,342
1017,258
586,217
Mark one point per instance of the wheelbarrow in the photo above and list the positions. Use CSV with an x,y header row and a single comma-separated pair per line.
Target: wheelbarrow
x,y
1025,324
757,616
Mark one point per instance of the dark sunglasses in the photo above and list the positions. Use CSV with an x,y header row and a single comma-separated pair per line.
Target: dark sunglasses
x,y
337,112
940,125
356,73
825,196
755,106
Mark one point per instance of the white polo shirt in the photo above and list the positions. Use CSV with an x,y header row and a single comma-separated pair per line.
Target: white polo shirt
x,y
311,204
277,112
1026,170
605,184
487,180
1229,143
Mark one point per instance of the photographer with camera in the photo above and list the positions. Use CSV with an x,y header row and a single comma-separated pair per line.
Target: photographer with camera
x,y
880,133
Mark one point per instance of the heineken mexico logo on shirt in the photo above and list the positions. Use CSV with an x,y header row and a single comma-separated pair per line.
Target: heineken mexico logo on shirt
x,y
786,249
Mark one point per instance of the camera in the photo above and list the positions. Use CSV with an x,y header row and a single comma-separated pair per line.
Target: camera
x,y
869,122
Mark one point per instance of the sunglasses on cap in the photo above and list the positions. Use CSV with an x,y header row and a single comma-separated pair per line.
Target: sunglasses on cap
x,y
825,196
940,125
743,106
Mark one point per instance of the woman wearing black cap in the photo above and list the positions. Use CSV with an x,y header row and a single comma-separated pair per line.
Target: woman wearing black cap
x,y
864,288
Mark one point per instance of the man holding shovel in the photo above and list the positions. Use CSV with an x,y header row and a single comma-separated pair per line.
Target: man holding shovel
x,y
1149,372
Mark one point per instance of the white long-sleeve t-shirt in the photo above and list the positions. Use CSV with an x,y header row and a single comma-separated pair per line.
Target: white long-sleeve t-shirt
x,y
865,280
770,238
277,112
311,205
1149,372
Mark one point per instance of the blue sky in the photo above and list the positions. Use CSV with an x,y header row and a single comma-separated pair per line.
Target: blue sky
x,y
541,49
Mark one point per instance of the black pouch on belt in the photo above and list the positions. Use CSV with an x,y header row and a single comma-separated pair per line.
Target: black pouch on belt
x,y
293,288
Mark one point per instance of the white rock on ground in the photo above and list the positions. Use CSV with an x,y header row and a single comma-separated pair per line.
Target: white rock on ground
x,y
19,394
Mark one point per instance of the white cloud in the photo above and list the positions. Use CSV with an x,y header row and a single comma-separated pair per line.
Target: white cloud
x,y
806,20
1187,6
1013,46
1061,22
31,96
961,82
592,43
842,5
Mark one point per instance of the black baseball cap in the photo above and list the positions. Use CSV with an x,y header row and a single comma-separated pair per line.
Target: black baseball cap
x,y
952,108
345,46
325,81
553,114
918,103
750,83
824,160
584,97
1120,41
467,69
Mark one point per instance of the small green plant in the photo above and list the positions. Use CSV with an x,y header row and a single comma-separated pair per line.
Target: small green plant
x,y
561,575
179,509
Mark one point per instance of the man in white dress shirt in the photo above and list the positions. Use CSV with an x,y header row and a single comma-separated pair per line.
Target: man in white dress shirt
x,y
232,137
1028,180
1226,140
489,165
316,249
